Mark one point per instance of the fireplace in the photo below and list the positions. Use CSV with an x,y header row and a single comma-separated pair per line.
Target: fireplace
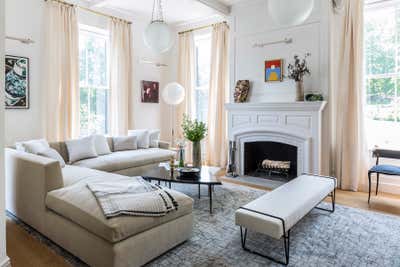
x,y
255,153
278,132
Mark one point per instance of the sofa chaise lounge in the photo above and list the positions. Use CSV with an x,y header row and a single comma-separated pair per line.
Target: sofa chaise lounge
x,y
57,203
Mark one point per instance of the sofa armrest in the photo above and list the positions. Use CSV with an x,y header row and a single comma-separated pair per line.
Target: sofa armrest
x,y
163,144
28,179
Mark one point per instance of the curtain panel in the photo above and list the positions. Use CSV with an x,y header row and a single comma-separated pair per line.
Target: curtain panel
x,y
217,145
61,75
349,151
186,66
121,72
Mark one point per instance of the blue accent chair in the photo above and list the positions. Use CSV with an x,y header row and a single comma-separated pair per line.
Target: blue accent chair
x,y
382,168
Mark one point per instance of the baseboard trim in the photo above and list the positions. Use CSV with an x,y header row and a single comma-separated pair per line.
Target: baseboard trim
x,y
5,262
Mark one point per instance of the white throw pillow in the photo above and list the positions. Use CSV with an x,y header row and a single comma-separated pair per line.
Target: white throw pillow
x,y
101,145
79,149
125,143
154,137
33,146
142,137
53,154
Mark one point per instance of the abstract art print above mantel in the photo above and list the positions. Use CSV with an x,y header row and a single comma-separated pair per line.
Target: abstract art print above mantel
x,y
16,82
274,70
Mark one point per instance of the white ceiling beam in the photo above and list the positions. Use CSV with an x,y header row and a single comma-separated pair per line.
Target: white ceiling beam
x,y
98,3
217,6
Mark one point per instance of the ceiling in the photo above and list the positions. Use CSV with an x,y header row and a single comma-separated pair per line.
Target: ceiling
x,y
175,11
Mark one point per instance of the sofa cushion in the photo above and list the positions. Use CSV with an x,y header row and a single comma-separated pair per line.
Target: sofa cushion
x,y
143,140
101,144
122,160
52,154
154,137
78,204
82,148
123,143
32,146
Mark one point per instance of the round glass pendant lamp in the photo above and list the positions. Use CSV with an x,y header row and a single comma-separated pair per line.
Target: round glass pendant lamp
x,y
158,36
289,12
173,94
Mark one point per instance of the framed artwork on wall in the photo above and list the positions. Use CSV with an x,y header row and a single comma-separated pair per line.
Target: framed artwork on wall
x,y
16,82
274,70
150,92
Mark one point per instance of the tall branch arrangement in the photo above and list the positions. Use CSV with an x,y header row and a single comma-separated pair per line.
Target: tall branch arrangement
x,y
299,68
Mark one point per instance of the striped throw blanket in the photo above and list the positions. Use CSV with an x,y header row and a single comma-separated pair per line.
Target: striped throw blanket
x,y
133,197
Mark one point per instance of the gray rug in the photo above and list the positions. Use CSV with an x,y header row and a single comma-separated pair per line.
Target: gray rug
x,y
349,237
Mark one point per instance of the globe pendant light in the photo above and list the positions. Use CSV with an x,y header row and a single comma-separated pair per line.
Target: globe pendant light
x,y
289,12
158,36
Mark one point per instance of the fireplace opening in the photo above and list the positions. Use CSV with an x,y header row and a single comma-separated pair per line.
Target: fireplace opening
x,y
272,160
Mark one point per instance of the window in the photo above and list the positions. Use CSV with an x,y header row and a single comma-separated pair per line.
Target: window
x,y
382,73
202,75
93,80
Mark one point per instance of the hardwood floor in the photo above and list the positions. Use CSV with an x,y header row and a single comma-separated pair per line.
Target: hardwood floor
x,y
24,250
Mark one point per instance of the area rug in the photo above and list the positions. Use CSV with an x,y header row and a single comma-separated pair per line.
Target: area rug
x,y
348,237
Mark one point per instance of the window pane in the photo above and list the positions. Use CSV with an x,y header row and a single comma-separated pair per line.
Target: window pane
x,y
97,61
202,105
380,45
93,52
203,61
84,111
382,61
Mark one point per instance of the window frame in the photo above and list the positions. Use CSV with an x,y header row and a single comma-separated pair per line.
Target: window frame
x,y
203,35
105,35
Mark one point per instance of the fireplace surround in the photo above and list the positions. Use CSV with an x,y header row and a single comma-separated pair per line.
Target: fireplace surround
x,y
295,126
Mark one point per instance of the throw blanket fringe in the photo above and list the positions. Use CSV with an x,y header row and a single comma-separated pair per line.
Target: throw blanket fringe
x,y
133,197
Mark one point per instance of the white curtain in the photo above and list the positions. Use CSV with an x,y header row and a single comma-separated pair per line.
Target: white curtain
x,y
120,110
186,79
349,150
218,95
61,72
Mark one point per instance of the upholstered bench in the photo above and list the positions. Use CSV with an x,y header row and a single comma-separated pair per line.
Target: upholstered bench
x,y
275,213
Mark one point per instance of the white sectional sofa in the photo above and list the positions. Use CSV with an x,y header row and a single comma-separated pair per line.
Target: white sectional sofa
x,y
56,202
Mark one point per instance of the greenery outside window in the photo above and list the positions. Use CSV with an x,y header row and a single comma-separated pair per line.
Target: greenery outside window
x,y
94,80
382,73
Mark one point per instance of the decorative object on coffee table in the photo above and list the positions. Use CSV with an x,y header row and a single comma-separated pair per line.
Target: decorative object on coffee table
x,y
181,152
242,90
296,71
194,131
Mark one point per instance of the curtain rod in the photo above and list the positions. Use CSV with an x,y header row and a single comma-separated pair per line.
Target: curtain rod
x,y
90,10
202,27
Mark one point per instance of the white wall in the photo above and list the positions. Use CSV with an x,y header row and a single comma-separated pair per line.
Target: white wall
x,y
28,124
24,19
3,256
251,24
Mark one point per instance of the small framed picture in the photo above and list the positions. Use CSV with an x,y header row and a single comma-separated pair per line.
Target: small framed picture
x,y
274,70
150,92
16,82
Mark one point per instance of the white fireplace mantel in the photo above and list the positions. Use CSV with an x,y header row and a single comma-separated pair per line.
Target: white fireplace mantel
x,y
294,123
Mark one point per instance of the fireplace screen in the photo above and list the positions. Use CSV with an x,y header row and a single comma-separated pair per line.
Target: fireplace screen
x,y
270,160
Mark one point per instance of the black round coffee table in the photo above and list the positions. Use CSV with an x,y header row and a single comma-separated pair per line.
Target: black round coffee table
x,y
206,177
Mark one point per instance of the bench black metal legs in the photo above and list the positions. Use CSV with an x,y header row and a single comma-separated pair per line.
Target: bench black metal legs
x,y
333,199
286,234
286,244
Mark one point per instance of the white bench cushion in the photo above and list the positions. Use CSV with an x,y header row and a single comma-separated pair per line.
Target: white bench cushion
x,y
291,201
